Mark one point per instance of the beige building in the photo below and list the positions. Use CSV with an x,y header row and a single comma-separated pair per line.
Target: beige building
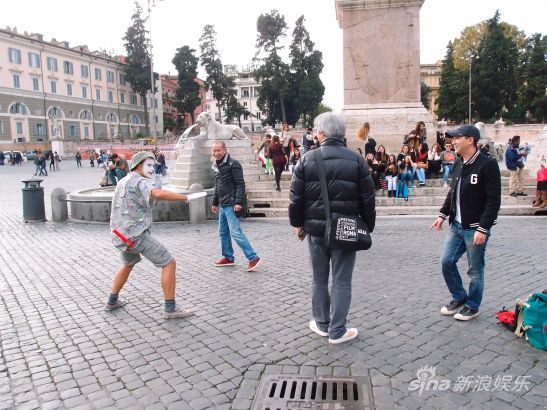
x,y
430,74
247,90
52,91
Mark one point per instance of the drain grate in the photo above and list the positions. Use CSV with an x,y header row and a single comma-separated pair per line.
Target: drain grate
x,y
284,392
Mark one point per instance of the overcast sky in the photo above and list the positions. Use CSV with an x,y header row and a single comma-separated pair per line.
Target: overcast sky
x,y
175,23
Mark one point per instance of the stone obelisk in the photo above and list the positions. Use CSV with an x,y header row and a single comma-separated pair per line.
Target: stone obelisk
x,y
382,69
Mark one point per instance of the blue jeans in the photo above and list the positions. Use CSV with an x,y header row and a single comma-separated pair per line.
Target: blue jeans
x,y
229,227
407,176
457,242
115,175
339,300
420,172
447,169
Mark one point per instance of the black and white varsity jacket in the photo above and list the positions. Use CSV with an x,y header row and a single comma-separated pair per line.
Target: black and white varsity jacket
x,y
480,193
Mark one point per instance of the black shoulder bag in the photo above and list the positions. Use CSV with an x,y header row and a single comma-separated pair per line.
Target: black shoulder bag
x,y
349,233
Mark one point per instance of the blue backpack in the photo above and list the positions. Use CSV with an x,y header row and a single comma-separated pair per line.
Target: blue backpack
x,y
532,319
402,190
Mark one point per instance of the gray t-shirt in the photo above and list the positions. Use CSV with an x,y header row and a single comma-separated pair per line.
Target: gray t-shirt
x,y
132,205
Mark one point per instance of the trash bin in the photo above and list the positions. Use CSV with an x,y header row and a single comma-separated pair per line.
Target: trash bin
x,y
33,201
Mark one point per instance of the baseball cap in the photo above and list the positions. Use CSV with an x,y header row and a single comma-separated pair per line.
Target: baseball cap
x,y
140,157
466,131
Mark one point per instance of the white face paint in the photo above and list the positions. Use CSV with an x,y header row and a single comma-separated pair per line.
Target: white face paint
x,y
148,168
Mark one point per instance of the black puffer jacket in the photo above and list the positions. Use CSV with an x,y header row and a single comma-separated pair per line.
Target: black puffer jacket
x,y
229,183
350,188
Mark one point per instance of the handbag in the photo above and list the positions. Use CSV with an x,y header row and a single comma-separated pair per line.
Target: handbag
x,y
349,233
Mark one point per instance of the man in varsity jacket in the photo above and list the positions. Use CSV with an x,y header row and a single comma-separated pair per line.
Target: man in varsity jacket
x,y
471,206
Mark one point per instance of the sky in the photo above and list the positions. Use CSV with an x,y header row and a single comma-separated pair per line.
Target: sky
x,y
101,24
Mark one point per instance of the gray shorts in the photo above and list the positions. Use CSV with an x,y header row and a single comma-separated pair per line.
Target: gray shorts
x,y
149,247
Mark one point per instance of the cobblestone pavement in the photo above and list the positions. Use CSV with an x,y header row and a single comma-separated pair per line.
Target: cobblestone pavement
x,y
60,350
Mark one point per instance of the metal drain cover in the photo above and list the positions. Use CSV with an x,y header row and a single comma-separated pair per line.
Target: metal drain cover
x,y
288,392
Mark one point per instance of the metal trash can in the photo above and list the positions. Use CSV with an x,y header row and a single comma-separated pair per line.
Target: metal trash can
x,y
33,201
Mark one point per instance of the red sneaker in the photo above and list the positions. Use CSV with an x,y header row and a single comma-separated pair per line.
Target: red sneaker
x,y
253,264
224,262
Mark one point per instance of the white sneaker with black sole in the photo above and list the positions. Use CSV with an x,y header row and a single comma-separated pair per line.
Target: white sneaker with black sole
x,y
466,314
453,307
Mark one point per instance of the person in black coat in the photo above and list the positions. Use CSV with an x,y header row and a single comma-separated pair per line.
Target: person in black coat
x,y
351,192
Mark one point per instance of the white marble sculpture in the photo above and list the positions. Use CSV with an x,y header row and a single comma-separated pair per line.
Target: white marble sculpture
x,y
210,129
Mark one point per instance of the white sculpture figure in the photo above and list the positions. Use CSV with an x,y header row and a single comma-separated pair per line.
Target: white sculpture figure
x,y
210,129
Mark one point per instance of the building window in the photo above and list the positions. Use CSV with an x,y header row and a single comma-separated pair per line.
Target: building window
x,y
122,98
19,128
86,115
16,81
34,60
98,94
245,103
84,92
245,117
14,56
35,84
110,96
1,127
245,92
72,131
40,130
122,79
84,70
134,119
18,108
53,86
133,99
68,67
86,132
52,64
258,115
68,89
98,74
110,76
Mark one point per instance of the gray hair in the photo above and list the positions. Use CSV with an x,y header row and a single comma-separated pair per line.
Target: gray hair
x,y
333,125
221,143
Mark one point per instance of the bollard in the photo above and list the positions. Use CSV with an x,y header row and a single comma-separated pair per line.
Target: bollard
x,y
33,201
59,207
196,208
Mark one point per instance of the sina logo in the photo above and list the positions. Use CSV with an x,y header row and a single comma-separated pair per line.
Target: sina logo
x,y
426,381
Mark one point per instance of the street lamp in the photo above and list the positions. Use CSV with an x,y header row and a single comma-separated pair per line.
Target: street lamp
x,y
152,3
471,54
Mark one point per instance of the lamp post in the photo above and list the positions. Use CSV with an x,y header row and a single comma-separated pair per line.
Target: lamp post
x,y
471,56
152,3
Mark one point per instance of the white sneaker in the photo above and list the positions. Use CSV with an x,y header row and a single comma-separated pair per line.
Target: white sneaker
x,y
445,184
350,334
314,328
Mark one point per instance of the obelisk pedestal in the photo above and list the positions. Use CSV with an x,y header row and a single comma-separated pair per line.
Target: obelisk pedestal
x,y
382,69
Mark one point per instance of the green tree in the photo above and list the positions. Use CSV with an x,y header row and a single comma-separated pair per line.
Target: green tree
x,y
187,95
535,78
320,109
453,91
272,73
425,93
210,59
137,62
306,87
495,81
234,109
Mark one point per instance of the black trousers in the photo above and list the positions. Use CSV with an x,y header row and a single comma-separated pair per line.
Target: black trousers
x,y
278,169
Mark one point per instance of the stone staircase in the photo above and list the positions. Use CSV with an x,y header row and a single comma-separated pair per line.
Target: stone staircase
x,y
265,201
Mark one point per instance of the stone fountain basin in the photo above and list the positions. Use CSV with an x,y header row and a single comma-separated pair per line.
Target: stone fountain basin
x,y
94,205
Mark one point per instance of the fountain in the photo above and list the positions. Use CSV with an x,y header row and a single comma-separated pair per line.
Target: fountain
x,y
191,173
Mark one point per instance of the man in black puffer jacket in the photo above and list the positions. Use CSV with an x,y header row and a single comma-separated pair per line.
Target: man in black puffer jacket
x,y
351,192
230,201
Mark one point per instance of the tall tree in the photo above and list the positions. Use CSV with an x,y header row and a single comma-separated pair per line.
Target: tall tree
x,y
425,93
494,72
187,94
137,68
535,78
273,72
234,109
453,91
306,87
210,59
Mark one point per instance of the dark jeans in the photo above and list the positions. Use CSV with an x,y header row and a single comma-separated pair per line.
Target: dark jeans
x,y
339,300
278,171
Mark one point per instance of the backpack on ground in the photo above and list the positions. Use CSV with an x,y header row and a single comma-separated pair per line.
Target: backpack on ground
x,y
402,190
531,319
